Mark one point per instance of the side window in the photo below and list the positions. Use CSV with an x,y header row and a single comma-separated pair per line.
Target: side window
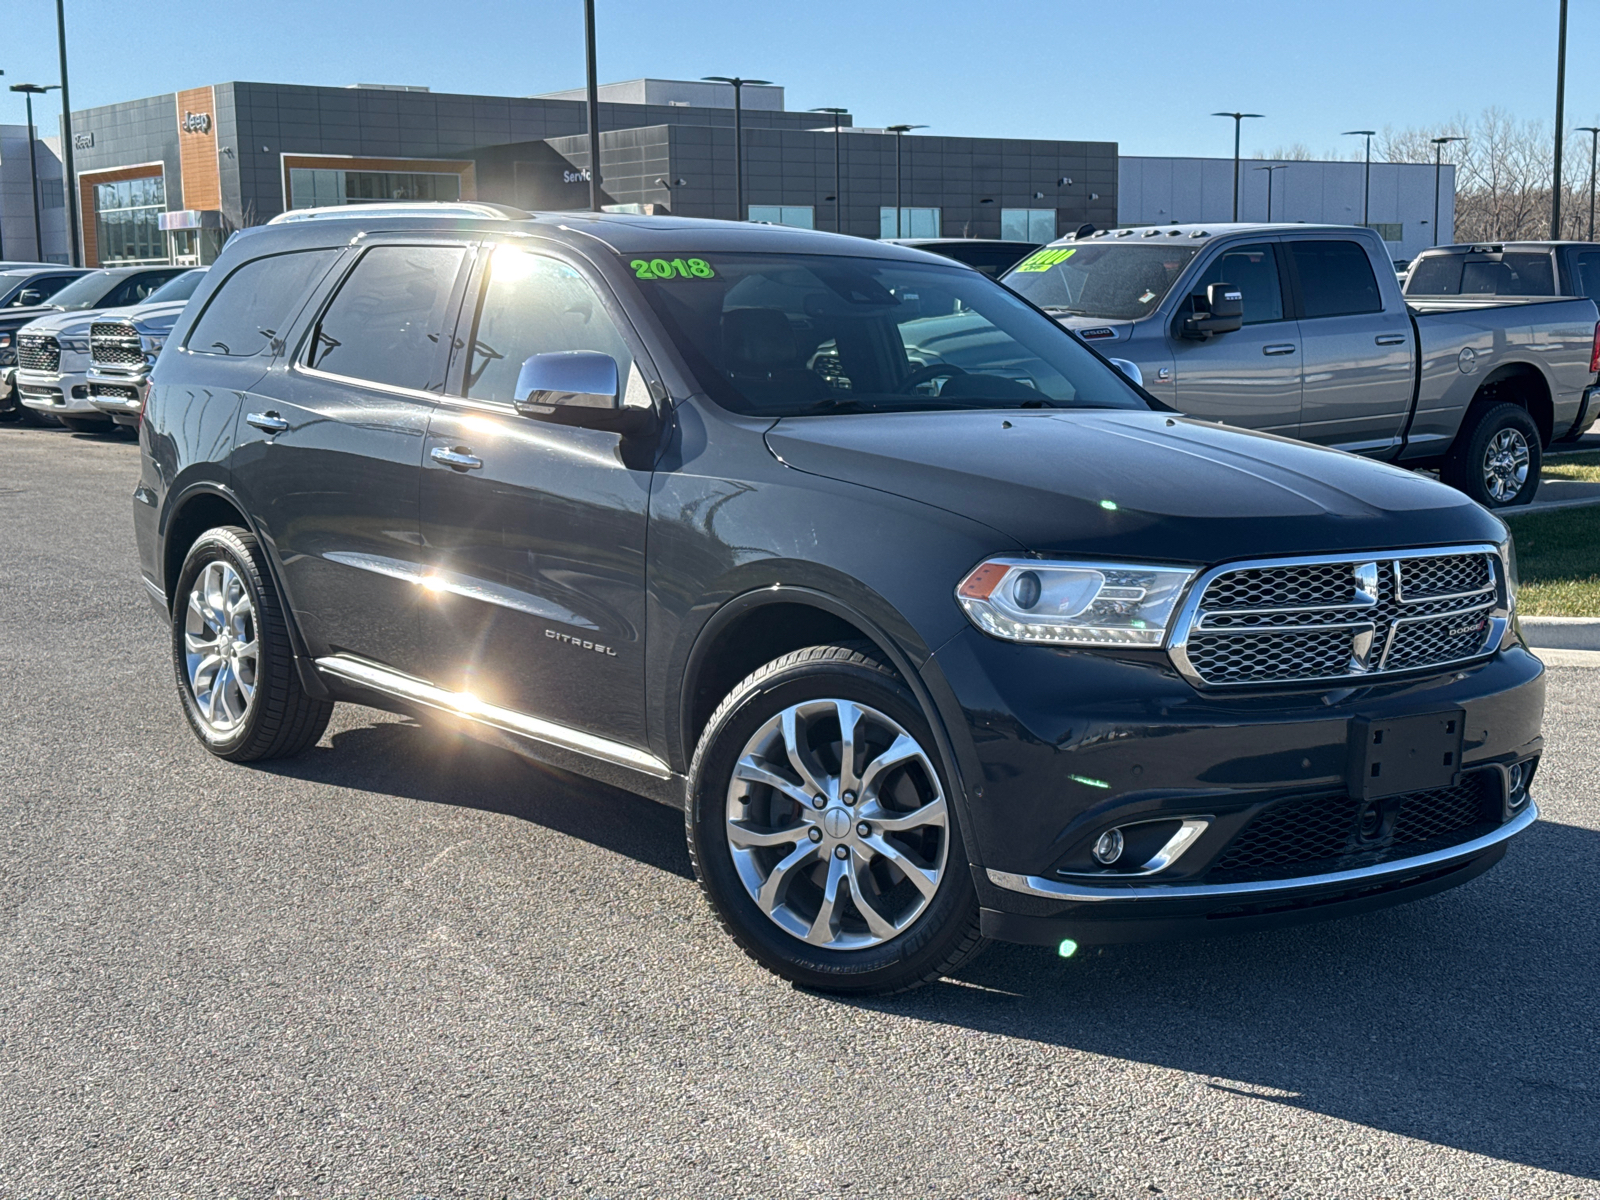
x,y
1336,279
1587,265
534,304
1254,270
136,287
1436,275
389,318
255,304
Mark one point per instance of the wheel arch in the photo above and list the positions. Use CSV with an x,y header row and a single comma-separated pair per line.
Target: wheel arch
x,y
1523,384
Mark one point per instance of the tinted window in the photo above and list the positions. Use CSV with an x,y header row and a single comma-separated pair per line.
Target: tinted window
x,y
85,291
1335,279
1436,275
992,260
535,305
389,318
46,285
137,288
1512,274
180,287
1254,271
256,303
1588,273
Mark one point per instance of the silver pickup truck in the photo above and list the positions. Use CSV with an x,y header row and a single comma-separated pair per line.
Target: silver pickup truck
x,y
1301,330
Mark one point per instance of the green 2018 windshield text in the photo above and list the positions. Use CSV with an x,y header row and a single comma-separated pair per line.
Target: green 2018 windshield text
x,y
676,268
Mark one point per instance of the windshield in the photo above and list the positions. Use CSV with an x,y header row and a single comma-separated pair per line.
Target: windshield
x,y
795,334
179,288
86,292
10,283
1123,281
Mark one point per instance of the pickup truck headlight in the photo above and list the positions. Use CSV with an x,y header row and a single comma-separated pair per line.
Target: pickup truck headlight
x,y
73,345
1067,603
151,344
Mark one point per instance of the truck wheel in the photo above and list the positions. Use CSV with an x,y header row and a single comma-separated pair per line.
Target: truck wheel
x,y
35,418
821,830
231,655
1496,457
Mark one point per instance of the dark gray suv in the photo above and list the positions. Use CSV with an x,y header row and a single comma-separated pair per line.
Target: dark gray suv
x,y
938,629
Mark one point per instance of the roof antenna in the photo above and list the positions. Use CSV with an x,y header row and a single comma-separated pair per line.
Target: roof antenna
x,y
1084,230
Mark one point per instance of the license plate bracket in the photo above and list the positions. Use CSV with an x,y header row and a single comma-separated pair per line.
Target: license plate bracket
x,y
1414,753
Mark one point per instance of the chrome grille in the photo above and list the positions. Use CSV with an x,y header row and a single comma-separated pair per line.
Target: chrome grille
x,y
36,352
1312,620
115,343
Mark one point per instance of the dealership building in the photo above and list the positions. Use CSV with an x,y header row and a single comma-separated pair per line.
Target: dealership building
x,y
169,177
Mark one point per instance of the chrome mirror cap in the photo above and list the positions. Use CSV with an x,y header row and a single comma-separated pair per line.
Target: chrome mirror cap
x,y
568,379
1131,370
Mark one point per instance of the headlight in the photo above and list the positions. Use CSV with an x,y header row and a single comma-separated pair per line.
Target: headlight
x,y
5,341
1073,603
151,343
74,345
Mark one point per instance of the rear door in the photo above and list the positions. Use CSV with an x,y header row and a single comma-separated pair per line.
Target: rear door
x,y
1357,348
535,531
1250,377
330,445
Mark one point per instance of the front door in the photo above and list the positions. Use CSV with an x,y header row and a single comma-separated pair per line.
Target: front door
x,y
1250,377
534,531
1358,354
330,449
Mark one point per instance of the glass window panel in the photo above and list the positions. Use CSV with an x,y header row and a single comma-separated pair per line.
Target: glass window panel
x,y
914,222
257,302
1254,271
387,322
1335,279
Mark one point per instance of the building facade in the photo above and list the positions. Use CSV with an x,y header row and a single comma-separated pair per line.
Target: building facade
x,y
28,189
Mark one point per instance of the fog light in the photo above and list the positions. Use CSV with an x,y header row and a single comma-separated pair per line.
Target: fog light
x,y
1108,848
1517,785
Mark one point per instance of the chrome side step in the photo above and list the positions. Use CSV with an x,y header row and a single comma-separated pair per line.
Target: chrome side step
x,y
463,704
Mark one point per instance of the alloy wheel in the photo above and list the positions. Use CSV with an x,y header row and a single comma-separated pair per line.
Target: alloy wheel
x,y
1505,465
837,824
221,653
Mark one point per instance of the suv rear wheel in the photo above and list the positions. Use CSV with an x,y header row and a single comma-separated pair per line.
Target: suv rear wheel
x,y
821,827
231,655
1496,457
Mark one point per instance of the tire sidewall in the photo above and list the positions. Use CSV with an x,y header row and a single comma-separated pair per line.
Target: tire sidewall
x,y
223,544
902,961
1468,468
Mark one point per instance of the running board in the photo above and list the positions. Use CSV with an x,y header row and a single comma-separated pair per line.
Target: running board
x,y
463,704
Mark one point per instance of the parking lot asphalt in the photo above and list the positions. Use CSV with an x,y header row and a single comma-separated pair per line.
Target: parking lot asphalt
x,y
410,965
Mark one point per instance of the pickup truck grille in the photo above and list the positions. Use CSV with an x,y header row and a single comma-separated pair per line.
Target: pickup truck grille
x,y
37,352
1303,621
1313,834
115,344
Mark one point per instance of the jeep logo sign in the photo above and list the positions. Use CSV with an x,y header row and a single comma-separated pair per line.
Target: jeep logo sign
x,y
196,122
83,141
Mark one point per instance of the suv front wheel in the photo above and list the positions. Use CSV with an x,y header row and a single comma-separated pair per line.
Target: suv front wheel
x,y
822,831
231,654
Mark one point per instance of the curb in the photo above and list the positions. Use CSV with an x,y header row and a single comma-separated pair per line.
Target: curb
x,y
1562,633
1569,658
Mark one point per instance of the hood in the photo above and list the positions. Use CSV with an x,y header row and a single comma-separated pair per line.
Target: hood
x,y
1096,329
1130,484
15,318
155,317
64,323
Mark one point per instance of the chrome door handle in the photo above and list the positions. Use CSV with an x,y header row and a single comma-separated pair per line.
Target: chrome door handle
x,y
1279,348
1390,339
461,459
268,422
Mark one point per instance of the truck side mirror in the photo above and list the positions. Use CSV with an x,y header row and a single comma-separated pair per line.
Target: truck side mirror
x,y
30,298
1225,304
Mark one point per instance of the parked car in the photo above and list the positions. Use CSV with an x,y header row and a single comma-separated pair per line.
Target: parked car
x,y
1303,331
936,639
1506,270
124,345
53,352
24,288
989,255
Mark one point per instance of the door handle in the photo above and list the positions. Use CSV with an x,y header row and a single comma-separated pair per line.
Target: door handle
x,y
268,422
1390,339
460,458
1279,348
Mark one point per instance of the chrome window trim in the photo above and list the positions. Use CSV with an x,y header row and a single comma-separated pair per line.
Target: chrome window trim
x,y
1187,620
1035,885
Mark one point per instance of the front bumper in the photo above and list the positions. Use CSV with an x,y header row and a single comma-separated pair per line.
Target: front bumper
x,y
66,394
1057,747
121,397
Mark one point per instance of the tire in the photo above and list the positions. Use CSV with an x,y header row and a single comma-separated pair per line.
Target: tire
x,y
33,417
1496,458
225,582
787,852
88,424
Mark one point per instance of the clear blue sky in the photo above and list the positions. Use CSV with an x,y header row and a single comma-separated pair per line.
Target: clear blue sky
x,y
1143,74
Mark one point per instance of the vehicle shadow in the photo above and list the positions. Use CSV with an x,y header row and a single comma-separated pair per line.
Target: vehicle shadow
x,y
428,762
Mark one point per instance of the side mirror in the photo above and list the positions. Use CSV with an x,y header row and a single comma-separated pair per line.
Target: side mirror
x,y
577,387
1226,304
29,298
1130,369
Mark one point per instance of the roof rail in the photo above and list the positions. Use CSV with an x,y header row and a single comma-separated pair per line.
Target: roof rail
x,y
458,208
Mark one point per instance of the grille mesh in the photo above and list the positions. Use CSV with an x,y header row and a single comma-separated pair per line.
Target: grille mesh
x,y
1238,637
1322,833
38,353
115,343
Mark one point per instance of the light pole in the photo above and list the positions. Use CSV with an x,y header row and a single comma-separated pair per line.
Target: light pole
x,y
592,89
838,189
1269,171
738,133
29,91
73,257
1238,120
1561,100
1439,143
899,131
1366,183
1594,144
